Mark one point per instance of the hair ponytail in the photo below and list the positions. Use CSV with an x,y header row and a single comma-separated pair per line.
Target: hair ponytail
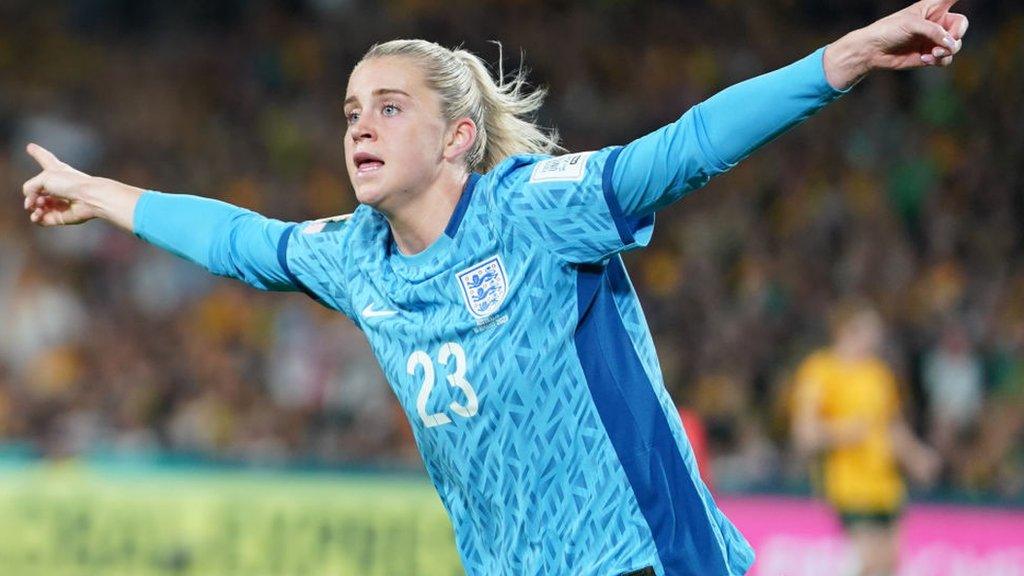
x,y
503,111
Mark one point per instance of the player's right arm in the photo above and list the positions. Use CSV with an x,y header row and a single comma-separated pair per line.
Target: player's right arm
x,y
224,239
811,432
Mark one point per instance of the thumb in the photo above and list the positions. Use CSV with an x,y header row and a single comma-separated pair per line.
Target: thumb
x,y
44,157
930,30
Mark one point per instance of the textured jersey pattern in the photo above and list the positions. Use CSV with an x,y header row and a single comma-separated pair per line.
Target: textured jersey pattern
x,y
516,344
499,401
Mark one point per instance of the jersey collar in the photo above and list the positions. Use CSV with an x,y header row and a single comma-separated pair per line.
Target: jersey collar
x,y
460,208
426,262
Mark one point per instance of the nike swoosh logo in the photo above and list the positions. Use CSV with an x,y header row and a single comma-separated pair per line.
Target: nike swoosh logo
x,y
369,312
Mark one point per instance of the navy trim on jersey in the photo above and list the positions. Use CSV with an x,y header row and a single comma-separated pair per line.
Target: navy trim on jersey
x,y
462,206
282,259
638,428
625,225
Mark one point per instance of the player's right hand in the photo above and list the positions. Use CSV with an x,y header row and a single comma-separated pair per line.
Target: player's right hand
x,y
849,432
57,195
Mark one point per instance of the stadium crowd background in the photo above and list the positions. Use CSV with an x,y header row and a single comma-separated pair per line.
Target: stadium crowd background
x,y
908,193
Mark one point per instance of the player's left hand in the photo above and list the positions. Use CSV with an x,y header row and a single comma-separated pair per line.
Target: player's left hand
x,y
923,34
924,465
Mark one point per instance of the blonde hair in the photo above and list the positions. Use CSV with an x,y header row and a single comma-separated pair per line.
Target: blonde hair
x,y
503,111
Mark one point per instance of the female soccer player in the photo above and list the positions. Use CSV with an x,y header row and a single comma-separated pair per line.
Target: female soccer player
x,y
486,277
846,407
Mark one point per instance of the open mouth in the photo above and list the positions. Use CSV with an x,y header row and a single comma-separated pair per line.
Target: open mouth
x,y
366,162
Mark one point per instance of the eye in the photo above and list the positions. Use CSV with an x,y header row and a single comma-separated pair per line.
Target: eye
x,y
351,117
390,110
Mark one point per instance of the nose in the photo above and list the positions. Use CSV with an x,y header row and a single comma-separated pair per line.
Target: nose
x,y
362,130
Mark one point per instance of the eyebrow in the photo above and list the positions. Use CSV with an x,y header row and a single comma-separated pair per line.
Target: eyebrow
x,y
380,92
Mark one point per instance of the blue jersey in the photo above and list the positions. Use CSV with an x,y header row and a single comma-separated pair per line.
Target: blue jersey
x,y
516,343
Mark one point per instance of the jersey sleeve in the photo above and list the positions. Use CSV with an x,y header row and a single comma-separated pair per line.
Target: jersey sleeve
x,y
715,135
568,205
809,381
892,393
317,258
588,206
225,239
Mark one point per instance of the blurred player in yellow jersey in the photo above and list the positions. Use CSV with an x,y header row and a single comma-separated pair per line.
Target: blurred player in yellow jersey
x,y
847,411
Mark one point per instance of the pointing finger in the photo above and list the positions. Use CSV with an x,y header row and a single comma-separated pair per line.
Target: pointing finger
x,y
935,9
44,157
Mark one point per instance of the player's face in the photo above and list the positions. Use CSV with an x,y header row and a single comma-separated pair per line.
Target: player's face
x,y
395,134
863,334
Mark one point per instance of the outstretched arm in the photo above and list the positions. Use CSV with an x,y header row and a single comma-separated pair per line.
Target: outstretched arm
x,y
225,239
715,135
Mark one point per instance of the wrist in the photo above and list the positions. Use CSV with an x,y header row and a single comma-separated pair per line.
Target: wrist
x,y
847,60
113,201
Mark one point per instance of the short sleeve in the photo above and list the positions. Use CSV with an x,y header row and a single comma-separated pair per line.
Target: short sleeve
x,y
568,204
810,381
316,258
892,392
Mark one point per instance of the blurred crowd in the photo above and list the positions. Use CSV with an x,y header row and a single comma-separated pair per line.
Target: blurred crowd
x,y
907,192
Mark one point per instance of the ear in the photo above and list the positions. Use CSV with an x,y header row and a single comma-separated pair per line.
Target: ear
x,y
459,138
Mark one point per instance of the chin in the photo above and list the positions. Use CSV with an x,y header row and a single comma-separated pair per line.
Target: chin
x,y
370,194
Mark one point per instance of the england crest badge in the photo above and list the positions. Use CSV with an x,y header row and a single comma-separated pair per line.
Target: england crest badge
x,y
484,287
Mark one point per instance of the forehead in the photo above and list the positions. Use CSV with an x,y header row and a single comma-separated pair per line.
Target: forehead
x,y
385,73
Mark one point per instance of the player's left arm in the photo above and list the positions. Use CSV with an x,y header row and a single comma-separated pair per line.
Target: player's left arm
x,y
718,133
920,460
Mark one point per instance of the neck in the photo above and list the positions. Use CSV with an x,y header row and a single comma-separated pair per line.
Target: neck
x,y
419,222
850,353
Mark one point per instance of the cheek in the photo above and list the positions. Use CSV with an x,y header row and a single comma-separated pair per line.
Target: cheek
x,y
346,151
420,146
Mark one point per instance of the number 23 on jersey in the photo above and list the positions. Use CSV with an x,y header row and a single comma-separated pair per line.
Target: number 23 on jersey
x,y
457,379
